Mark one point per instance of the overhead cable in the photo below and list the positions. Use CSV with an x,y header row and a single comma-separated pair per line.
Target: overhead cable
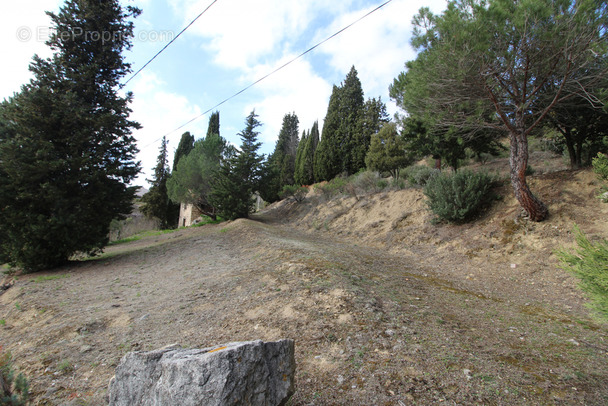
x,y
169,43
269,74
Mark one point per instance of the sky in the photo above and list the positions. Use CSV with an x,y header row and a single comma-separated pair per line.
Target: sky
x,y
235,43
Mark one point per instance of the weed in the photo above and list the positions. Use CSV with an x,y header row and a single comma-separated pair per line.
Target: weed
x,y
17,306
65,366
2,322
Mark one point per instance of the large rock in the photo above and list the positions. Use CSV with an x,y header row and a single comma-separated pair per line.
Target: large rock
x,y
245,373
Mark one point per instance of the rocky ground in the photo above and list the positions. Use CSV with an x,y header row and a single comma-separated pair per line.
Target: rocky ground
x,y
385,307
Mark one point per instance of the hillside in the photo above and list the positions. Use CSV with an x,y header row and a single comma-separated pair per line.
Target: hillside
x,y
385,307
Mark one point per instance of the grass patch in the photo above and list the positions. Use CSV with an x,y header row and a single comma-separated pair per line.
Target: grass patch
x,y
207,220
44,278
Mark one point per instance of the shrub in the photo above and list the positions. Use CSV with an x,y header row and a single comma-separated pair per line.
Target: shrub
x,y
589,262
366,181
456,197
419,175
332,188
600,166
14,390
298,193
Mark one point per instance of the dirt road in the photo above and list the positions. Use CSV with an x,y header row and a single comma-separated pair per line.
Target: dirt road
x,y
371,328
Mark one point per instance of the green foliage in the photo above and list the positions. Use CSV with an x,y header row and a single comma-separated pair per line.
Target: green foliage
x,y
387,151
304,171
280,168
191,181
600,166
185,146
589,262
67,154
332,188
239,176
14,390
419,175
503,64
456,197
297,193
156,202
349,124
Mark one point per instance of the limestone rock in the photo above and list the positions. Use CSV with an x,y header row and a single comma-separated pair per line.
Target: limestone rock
x,y
243,373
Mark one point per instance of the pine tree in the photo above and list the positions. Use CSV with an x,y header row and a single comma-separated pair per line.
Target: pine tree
x,y
66,150
156,202
239,177
387,151
191,179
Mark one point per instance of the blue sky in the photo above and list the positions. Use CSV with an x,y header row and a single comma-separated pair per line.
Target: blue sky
x,y
231,46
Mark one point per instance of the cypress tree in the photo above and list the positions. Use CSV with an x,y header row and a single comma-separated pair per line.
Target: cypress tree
x,y
342,148
66,150
299,167
186,144
279,169
156,202
308,155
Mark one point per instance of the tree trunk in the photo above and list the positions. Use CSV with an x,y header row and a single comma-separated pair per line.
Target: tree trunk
x,y
437,162
518,160
570,146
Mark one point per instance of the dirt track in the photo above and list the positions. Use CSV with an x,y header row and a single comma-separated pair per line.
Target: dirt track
x,y
371,328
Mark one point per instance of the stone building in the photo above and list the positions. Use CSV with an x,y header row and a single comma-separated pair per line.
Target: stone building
x,y
187,214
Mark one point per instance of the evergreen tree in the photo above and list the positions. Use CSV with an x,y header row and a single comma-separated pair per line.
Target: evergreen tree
x,y
239,177
66,149
299,167
349,124
308,156
387,151
506,64
279,169
186,144
156,202
191,181
373,117
214,124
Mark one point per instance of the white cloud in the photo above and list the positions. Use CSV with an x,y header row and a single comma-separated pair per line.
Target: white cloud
x,y
24,27
160,111
297,88
378,46
242,32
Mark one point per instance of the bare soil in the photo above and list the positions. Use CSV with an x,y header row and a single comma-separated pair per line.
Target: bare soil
x,y
385,307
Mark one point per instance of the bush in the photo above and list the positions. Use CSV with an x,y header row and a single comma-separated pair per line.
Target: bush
x,y
14,390
419,175
589,262
298,193
456,197
332,188
600,166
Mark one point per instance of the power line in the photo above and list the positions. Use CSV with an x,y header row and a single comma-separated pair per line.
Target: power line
x,y
169,43
269,74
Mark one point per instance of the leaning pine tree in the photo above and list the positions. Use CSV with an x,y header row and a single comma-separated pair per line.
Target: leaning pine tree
x,y
66,149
